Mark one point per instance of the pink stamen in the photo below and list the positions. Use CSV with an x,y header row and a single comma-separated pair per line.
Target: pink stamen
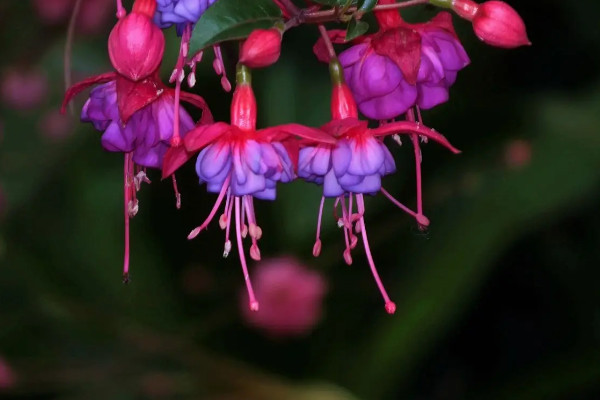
x,y
317,246
421,219
192,75
177,194
252,300
228,209
254,235
390,306
126,196
415,141
219,67
222,193
121,12
347,253
178,74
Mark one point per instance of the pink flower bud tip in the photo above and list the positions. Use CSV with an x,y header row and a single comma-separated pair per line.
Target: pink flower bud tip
x,y
390,307
262,48
498,24
136,46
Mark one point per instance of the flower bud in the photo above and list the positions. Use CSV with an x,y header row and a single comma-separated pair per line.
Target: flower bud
x,y
494,22
342,100
136,45
262,48
243,104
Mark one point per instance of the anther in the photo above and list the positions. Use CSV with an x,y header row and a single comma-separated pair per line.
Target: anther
x,y
223,221
347,257
133,207
227,248
317,248
255,252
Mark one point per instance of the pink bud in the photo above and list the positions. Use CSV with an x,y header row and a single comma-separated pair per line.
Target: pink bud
x,y
291,298
262,48
498,24
136,46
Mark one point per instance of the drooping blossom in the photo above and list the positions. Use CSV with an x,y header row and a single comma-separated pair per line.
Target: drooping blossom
x,y
241,163
291,298
23,89
139,115
354,167
403,65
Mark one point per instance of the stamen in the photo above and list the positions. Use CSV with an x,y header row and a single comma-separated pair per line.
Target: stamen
x,y
229,207
219,67
197,230
177,194
121,12
127,199
317,246
421,219
192,75
244,226
418,159
252,300
140,178
390,306
179,75
253,228
347,255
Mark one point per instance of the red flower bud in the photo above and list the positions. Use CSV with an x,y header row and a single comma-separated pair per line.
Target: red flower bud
x,y
136,45
243,104
494,22
343,104
262,48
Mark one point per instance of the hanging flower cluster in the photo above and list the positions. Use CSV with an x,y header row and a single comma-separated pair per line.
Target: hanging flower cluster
x,y
388,76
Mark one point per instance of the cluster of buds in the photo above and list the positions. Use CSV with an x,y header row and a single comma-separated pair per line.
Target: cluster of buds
x,y
388,76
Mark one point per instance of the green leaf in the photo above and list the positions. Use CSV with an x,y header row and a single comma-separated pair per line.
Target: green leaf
x,y
355,29
336,3
233,20
367,5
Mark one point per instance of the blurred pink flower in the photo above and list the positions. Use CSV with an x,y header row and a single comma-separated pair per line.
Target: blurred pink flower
x,y
517,153
23,89
7,376
93,14
290,298
55,126
53,11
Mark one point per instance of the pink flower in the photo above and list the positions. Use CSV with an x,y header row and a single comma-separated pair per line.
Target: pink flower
x,y
55,126
291,298
23,89
7,376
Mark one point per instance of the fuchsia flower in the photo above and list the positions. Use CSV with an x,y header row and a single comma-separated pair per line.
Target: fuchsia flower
x,y
354,166
291,297
138,114
241,163
403,65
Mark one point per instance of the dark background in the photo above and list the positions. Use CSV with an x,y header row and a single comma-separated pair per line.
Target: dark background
x,y
498,300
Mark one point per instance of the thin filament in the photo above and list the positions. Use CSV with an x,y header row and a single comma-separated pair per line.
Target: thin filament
x,y
222,193
252,299
390,307
127,198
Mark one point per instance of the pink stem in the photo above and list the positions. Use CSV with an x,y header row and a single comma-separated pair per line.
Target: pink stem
x,y
252,298
317,246
390,306
222,193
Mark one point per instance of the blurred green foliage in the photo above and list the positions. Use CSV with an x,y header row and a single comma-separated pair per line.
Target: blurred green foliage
x,y
498,300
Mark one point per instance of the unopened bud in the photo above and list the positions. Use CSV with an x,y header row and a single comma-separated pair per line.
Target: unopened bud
x,y
494,22
262,48
136,46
